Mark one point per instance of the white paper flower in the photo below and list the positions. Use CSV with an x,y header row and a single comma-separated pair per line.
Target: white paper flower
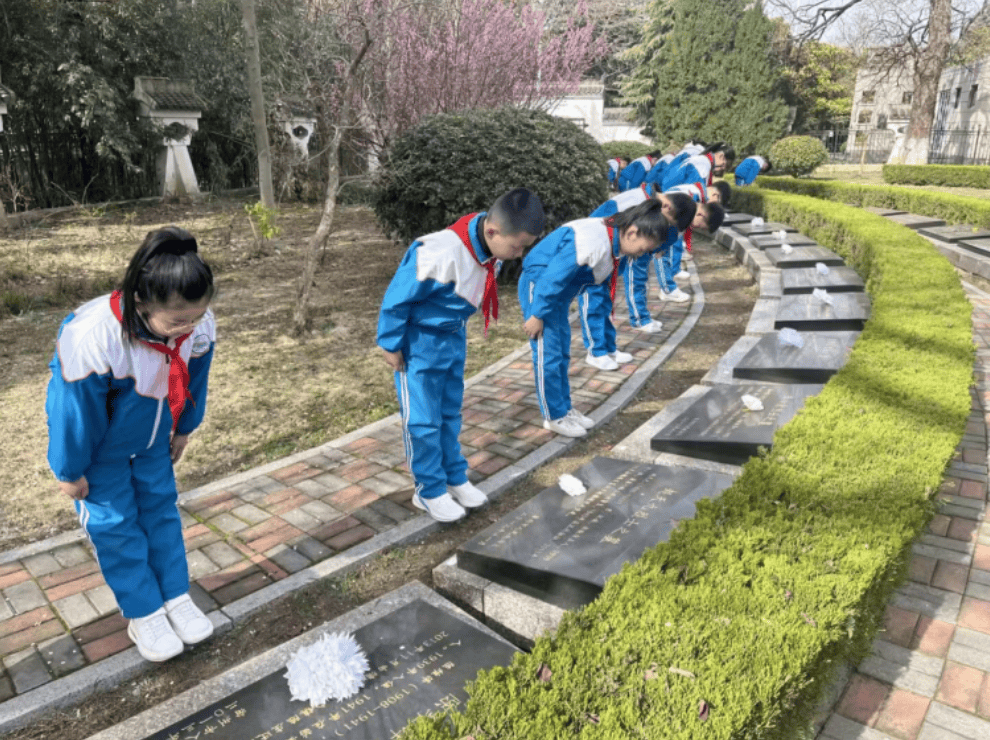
x,y
822,268
790,336
571,485
786,248
752,402
757,221
782,234
822,295
333,667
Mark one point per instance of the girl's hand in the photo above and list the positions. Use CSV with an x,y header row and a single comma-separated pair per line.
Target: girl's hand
x,y
178,446
394,360
533,326
77,490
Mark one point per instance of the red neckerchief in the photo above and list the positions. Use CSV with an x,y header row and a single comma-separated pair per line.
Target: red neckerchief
x,y
710,169
687,238
646,192
178,373
615,267
489,301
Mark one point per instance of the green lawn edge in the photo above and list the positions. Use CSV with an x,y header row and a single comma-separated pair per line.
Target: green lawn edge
x,y
945,175
733,628
954,209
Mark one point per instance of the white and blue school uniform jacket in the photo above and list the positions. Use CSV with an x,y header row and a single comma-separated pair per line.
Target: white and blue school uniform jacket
x,y
109,420
668,264
436,289
613,169
577,255
697,168
634,173
655,175
748,170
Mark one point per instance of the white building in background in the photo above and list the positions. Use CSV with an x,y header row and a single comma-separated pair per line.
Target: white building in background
x,y
586,108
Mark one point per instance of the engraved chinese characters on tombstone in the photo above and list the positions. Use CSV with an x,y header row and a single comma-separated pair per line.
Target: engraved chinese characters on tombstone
x,y
719,427
842,312
561,549
820,357
420,657
805,279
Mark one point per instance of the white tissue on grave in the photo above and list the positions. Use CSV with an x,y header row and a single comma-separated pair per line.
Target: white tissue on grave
x,y
757,221
752,402
822,295
571,485
782,234
786,248
333,667
790,336
822,268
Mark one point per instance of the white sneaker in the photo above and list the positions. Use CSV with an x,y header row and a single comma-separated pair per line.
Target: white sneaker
x,y
154,637
677,296
621,357
565,426
189,623
468,495
682,275
586,422
602,363
443,508
653,327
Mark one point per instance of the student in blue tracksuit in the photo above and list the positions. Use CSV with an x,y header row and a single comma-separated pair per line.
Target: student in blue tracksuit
x,y
615,166
128,386
712,161
595,301
441,282
634,174
578,254
709,217
748,170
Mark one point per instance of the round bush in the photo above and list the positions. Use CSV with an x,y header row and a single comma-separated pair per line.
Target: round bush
x,y
798,155
456,163
631,149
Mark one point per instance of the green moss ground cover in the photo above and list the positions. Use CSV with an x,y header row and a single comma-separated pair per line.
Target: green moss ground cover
x,y
732,628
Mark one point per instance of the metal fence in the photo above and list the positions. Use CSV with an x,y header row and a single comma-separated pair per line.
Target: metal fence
x,y
959,146
874,146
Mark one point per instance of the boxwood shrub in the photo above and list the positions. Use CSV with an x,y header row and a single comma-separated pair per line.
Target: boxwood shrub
x,y
732,628
947,175
631,149
798,155
954,209
456,163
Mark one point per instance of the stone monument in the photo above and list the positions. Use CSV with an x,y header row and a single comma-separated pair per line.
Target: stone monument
x,y
176,108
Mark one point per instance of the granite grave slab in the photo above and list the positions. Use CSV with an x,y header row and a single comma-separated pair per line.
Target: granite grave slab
x,y
747,229
805,312
420,659
822,356
977,246
737,218
802,257
765,241
718,426
914,221
561,549
956,233
883,211
839,279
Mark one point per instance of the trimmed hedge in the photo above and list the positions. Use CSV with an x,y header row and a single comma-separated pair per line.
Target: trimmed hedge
x,y
631,149
954,209
947,175
732,628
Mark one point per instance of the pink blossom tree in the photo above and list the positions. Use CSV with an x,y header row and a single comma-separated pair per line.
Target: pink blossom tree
x,y
373,68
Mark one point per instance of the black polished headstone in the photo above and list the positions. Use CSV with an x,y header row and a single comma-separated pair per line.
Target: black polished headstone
x,y
884,211
719,427
822,356
737,218
957,233
913,221
765,241
840,279
420,660
977,246
560,548
805,312
766,228
803,257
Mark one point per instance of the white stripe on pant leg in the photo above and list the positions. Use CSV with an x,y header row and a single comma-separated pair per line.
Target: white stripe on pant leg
x,y
541,388
583,300
631,293
404,416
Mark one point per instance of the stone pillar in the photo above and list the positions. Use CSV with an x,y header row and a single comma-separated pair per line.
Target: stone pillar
x,y
175,108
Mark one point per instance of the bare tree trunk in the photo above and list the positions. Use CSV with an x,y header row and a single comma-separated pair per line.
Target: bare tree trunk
x,y
927,71
253,58
300,314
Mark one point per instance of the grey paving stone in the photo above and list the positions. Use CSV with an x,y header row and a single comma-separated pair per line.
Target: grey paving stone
x,y
931,602
41,565
200,565
251,514
72,555
312,488
24,597
393,476
27,670
331,482
908,659
377,521
970,647
931,732
311,548
957,721
978,590
102,599
75,610
938,553
186,518
222,554
322,511
61,655
289,559
946,543
228,523
392,510
266,485
979,576
840,728
301,520
6,686
899,676
389,457
381,487
5,611
239,489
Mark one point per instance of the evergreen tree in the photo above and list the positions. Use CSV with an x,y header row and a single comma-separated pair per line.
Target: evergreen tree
x,y
717,78
639,89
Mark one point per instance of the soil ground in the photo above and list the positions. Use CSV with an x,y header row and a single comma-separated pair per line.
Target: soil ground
x,y
730,294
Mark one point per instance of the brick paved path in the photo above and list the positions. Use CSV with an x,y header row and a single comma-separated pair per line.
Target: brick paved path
x,y
249,532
